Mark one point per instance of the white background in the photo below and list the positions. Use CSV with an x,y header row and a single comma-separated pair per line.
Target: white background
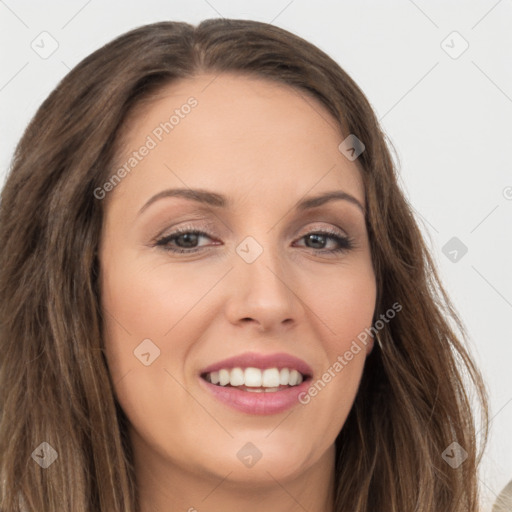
x,y
448,118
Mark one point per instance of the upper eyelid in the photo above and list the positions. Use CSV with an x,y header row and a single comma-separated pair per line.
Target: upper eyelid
x,y
212,218
207,230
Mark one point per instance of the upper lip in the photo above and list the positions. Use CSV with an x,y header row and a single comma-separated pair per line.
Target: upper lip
x,y
253,360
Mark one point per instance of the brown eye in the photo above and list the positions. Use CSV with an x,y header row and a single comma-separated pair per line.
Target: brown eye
x,y
185,239
319,238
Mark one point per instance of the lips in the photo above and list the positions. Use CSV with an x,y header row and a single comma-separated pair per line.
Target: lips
x,y
257,384
262,361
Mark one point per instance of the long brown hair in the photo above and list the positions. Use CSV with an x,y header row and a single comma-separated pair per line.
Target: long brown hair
x,y
414,399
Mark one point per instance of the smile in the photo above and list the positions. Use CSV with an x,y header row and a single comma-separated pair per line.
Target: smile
x,y
269,380
255,383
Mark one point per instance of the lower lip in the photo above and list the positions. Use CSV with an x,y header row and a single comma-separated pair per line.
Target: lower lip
x,y
254,402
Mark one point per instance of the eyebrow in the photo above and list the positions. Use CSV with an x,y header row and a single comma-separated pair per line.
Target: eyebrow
x,y
220,201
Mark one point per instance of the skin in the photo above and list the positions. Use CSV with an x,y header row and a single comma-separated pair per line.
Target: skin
x,y
264,146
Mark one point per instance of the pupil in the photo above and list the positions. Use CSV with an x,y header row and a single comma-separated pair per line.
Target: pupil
x,y
315,238
187,236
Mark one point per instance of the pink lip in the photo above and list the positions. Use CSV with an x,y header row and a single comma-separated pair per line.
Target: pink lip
x,y
251,359
259,403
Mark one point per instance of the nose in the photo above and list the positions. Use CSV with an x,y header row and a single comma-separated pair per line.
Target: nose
x,y
263,293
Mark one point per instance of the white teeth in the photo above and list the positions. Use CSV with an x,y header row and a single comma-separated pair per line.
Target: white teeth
x,y
253,377
267,380
262,390
270,378
294,378
237,377
223,377
284,376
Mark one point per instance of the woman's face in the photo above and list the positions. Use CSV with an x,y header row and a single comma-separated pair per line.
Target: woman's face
x,y
263,284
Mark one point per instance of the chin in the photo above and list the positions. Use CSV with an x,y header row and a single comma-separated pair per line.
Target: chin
x,y
261,460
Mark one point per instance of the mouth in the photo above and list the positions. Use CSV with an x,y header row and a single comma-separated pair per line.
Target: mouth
x,y
257,384
256,380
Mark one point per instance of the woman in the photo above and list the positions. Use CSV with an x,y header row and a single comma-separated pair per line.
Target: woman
x,y
144,370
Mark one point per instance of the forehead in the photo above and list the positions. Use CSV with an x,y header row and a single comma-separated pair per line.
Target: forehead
x,y
243,133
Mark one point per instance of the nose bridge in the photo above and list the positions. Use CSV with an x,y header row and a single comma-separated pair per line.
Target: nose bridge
x,y
260,262
264,287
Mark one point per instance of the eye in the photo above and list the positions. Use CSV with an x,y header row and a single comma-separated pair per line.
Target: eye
x,y
186,236
342,243
185,241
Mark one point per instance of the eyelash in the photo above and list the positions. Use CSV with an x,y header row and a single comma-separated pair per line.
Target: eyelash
x,y
345,243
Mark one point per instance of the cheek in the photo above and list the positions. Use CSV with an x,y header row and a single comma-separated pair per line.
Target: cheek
x,y
140,310
345,304
148,301
131,318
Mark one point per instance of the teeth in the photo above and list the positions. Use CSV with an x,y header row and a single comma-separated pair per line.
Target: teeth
x,y
237,377
294,378
262,390
270,378
223,377
267,380
253,377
